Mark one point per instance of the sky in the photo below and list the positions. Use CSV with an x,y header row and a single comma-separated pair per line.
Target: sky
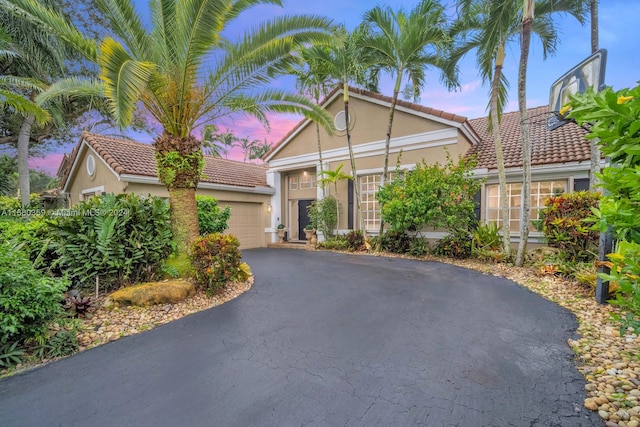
x,y
617,35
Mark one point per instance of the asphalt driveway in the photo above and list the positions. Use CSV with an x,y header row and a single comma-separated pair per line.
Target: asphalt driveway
x,y
327,339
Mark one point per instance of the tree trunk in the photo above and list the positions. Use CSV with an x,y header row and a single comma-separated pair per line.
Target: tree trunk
x,y
526,141
320,155
387,145
179,162
184,217
497,139
23,159
595,149
354,174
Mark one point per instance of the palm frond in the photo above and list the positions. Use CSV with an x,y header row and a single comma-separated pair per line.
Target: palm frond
x,y
23,106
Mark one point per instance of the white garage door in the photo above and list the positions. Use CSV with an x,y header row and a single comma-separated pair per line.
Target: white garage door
x,y
245,223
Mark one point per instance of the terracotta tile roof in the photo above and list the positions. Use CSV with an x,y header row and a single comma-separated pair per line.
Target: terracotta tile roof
x,y
416,107
562,145
135,158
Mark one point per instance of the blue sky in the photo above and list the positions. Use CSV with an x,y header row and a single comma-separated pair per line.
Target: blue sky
x,y
617,35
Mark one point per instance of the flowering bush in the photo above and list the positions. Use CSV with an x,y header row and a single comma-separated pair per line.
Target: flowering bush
x,y
216,261
565,223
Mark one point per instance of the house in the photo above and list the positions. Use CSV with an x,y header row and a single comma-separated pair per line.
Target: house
x,y
101,164
263,197
560,159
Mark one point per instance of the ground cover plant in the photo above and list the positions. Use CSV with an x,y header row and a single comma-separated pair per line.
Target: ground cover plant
x,y
216,262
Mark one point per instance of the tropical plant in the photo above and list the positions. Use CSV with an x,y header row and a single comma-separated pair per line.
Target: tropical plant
x,y
345,61
216,261
595,149
247,146
488,26
211,217
567,224
185,73
29,299
438,196
260,149
404,45
333,177
324,215
457,244
119,239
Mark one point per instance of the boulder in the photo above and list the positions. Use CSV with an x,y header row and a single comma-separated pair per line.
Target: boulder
x,y
145,294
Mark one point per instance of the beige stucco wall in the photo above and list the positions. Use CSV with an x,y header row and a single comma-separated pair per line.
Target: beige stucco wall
x,y
370,125
103,177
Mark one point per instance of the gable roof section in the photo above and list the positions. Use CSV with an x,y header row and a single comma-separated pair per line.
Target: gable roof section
x,y
562,145
125,157
432,113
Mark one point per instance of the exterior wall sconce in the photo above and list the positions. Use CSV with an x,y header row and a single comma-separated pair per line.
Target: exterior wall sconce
x,y
305,173
269,208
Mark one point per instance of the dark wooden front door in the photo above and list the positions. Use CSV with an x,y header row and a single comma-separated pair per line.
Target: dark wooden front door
x,y
303,217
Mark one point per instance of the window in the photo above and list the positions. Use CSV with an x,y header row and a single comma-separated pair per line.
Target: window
x,y
308,181
369,185
293,183
540,191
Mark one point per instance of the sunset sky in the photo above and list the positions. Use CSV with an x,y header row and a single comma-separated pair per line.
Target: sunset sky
x,y
616,35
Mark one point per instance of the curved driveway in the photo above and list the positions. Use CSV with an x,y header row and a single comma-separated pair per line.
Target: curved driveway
x,y
327,339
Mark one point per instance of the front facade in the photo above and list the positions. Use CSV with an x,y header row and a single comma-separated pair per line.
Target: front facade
x,y
420,134
101,165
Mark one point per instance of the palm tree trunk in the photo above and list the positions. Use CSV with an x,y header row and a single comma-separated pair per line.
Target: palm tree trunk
x,y
354,174
320,153
387,145
497,139
184,217
23,158
526,141
595,149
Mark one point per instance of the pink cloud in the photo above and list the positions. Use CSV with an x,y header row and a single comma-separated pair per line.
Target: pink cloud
x,y
50,163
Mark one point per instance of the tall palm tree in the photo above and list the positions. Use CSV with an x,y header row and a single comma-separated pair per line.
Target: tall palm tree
x,y
404,45
333,177
259,150
345,61
313,80
595,148
488,26
185,73
247,145
528,13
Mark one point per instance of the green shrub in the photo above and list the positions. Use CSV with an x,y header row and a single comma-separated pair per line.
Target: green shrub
x,y
10,354
355,241
211,217
338,243
8,205
418,247
456,244
566,225
60,342
486,242
397,242
29,300
324,215
34,238
626,272
120,239
216,261
431,196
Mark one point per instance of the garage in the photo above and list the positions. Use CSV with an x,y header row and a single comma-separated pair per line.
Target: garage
x,y
246,223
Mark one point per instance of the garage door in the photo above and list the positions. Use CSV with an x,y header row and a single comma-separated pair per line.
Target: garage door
x,y
245,223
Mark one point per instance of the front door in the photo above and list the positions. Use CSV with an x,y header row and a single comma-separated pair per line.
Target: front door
x,y
303,217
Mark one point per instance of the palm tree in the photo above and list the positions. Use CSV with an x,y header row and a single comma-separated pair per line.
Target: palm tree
x,y
313,80
185,73
247,145
333,177
525,42
259,150
344,60
488,26
404,45
595,149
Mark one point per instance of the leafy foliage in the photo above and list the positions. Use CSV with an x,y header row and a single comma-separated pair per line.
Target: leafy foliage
x,y
614,118
486,242
431,196
10,354
28,299
216,261
324,215
212,219
34,238
119,239
566,223
397,242
78,304
456,244
355,241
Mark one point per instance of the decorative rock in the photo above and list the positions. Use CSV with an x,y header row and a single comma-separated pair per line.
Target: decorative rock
x,y
590,404
633,423
603,414
611,424
624,415
154,293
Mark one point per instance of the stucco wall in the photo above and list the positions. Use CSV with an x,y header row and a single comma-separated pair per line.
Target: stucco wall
x,y
81,180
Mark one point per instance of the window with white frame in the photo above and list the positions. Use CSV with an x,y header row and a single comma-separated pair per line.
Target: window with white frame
x,y
540,191
293,183
369,185
307,181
